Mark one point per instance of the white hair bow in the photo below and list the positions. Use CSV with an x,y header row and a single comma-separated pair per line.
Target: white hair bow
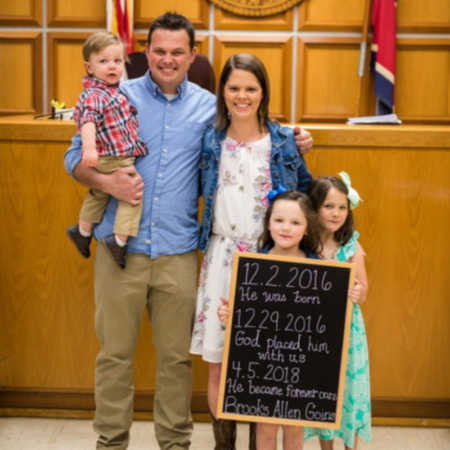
x,y
353,195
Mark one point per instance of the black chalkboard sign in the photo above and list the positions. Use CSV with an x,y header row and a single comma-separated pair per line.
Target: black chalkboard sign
x,y
286,341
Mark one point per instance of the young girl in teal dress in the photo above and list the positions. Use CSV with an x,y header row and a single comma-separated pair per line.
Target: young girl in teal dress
x,y
333,200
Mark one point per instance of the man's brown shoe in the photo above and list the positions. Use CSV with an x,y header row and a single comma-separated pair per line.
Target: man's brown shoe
x,y
117,252
81,242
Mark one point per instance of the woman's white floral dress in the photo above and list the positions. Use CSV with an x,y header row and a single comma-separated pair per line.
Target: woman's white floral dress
x,y
239,208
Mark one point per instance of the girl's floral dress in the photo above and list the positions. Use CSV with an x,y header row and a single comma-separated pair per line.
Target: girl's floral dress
x,y
238,213
356,415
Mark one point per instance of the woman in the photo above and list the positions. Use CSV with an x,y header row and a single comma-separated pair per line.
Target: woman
x,y
244,156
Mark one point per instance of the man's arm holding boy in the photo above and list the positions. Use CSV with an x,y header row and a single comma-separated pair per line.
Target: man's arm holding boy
x,y
124,184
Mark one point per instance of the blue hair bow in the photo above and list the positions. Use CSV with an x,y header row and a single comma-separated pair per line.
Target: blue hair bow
x,y
272,195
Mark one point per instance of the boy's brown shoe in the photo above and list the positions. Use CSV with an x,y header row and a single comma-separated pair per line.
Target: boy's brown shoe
x,y
117,252
81,242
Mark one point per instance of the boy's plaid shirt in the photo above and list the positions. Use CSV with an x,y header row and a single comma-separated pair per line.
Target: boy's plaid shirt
x,y
114,117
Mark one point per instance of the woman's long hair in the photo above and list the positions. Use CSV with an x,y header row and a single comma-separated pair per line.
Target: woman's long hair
x,y
250,63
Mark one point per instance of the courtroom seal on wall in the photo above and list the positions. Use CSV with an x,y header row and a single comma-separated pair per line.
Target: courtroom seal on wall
x,y
256,7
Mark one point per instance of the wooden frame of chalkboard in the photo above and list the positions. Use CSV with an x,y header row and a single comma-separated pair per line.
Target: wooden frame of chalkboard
x,y
286,341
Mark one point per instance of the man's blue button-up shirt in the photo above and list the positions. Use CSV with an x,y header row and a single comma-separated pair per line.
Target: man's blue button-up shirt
x,y
172,130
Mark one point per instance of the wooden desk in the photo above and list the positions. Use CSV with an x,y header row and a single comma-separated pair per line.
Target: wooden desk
x,y
47,341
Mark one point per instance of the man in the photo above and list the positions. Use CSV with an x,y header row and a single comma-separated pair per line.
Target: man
x,y
161,268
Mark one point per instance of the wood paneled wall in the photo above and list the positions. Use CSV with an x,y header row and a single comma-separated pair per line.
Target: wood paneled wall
x,y
311,52
325,97
21,13
20,72
47,341
196,10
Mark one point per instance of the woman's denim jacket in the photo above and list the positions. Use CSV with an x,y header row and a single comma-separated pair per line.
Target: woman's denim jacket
x,y
287,167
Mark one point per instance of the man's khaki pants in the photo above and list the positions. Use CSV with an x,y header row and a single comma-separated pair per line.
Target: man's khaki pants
x,y
166,286
127,216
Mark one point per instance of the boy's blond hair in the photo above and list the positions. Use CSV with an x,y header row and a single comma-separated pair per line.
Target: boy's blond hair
x,y
98,41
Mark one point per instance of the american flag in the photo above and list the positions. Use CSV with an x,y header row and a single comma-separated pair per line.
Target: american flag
x,y
119,20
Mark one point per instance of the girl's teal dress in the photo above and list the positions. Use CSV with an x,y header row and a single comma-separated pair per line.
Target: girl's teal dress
x,y
356,415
